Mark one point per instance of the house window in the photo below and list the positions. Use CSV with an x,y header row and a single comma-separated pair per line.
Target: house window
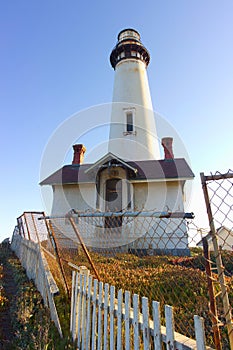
x,y
129,122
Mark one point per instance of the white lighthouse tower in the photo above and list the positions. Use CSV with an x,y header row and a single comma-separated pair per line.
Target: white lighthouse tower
x,y
133,133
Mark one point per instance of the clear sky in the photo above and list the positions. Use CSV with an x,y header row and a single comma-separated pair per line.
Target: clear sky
x,y
54,62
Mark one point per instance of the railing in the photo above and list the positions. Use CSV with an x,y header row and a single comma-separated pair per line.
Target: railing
x,y
99,320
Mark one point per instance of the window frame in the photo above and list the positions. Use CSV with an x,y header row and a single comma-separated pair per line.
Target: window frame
x,y
131,112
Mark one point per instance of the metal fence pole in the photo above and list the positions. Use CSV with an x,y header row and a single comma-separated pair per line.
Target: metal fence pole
x,y
58,258
213,308
84,247
226,304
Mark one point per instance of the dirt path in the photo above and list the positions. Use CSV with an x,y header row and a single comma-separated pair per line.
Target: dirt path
x,y
9,288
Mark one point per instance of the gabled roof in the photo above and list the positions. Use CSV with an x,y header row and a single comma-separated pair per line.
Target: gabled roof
x,y
143,170
109,157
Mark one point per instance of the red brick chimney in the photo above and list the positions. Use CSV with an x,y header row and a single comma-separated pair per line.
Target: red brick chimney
x,y
79,151
167,145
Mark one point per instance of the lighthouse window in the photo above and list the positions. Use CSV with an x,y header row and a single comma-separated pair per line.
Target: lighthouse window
x,y
129,122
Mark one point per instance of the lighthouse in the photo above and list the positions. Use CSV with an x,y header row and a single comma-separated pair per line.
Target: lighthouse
x,y
132,176
133,133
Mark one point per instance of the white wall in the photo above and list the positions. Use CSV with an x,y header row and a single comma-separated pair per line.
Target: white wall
x,y
141,233
66,197
158,196
131,91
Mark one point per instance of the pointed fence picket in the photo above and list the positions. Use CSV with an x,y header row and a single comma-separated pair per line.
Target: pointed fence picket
x,y
99,320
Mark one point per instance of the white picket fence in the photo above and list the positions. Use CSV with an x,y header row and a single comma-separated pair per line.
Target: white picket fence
x,y
99,320
33,260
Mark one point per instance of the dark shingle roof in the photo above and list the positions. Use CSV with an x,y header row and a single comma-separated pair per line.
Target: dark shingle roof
x,y
162,169
165,169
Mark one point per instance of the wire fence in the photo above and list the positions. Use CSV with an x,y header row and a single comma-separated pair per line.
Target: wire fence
x,y
218,193
148,253
154,254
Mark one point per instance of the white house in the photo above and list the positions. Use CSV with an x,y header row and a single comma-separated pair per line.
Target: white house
x,y
224,237
131,176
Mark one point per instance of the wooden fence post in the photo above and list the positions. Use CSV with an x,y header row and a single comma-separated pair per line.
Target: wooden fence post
x,y
169,327
99,332
157,325
199,332
119,319
112,307
106,294
94,318
72,301
88,324
136,321
145,317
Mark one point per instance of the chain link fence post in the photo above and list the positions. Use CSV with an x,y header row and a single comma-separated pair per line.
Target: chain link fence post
x,y
220,268
213,307
58,258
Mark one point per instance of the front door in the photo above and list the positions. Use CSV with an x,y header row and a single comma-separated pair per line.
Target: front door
x,y
113,200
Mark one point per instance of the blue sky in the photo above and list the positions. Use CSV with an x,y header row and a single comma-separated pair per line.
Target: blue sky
x,y
55,62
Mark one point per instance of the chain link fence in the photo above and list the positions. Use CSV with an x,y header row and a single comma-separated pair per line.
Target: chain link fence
x,y
148,253
218,193
154,254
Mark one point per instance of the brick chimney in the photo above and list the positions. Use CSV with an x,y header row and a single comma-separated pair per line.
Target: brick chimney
x,y
167,145
79,151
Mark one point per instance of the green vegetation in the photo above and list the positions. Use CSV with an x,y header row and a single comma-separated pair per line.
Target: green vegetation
x,y
180,282
177,281
29,325
3,299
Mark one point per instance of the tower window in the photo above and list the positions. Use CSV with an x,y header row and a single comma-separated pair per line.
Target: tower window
x,y
129,122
